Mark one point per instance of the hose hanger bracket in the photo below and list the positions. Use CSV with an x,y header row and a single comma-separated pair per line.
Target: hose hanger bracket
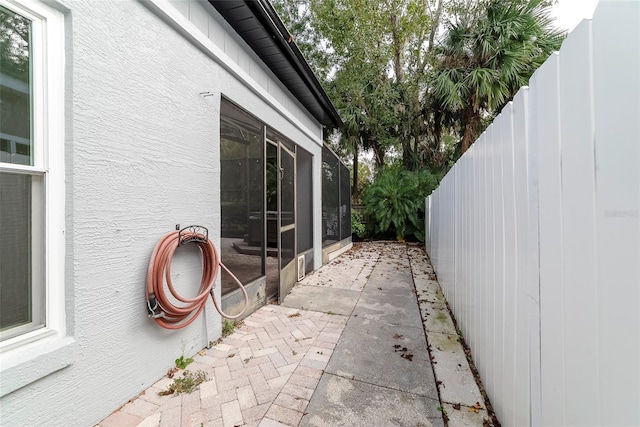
x,y
192,233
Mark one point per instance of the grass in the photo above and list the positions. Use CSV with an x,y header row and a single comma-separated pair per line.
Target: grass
x,y
185,384
227,328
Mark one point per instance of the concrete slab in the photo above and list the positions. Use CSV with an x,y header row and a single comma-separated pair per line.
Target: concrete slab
x,y
390,307
437,318
464,416
428,290
333,300
343,402
344,274
391,356
397,282
456,381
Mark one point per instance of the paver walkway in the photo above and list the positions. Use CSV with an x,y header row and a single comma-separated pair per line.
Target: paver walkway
x,y
347,347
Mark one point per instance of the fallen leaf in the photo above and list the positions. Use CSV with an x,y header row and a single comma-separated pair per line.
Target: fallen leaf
x,y
171,372
456,406
231,355
407,356
475,408
202,352
398,336
295,314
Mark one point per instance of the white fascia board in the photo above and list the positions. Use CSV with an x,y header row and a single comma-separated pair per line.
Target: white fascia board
x,y
181,23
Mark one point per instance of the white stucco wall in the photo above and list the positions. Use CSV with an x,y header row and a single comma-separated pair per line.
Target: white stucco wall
x,y
142,154
203,16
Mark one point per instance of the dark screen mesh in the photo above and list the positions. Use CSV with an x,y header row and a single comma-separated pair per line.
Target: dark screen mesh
x,y
330,198
345,203
241,195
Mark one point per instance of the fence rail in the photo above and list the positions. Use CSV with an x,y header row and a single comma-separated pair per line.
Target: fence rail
x,y
535,235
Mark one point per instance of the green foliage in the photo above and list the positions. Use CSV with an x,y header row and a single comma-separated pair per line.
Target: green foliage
x,y
187,383
227,328
370,57
395,201
182,362
401,90
357,226
489,51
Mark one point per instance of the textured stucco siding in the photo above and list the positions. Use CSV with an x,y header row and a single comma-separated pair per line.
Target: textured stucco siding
x,y
214,26
142,154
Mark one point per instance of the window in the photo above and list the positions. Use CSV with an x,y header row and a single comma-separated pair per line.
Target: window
x,y
31,172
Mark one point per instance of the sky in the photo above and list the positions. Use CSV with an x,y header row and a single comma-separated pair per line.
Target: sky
x,y
569,13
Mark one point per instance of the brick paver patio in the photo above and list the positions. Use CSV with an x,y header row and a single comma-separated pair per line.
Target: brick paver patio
x,y
263,374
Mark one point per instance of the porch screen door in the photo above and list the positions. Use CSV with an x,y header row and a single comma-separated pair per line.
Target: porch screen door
x,y
287,220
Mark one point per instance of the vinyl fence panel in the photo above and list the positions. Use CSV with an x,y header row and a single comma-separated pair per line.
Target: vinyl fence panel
x,y
535,235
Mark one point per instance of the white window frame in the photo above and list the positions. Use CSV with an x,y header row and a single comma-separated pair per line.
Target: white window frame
x,y
47,88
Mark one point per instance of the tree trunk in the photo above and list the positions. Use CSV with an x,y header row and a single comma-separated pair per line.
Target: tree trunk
x,y
467,138
379,153
355,192
434,26
472,119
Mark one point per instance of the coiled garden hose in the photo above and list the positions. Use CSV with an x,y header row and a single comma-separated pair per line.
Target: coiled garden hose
x,y
160,307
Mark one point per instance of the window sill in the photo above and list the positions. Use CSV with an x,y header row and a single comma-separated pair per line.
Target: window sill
x,y
22,366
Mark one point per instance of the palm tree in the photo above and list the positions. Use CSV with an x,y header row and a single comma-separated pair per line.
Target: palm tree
x,y
485,58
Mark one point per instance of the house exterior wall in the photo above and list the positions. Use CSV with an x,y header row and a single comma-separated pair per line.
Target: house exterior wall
x,y
141,155
204,17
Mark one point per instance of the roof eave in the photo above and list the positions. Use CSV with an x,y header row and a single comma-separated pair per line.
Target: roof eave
x,y
312,96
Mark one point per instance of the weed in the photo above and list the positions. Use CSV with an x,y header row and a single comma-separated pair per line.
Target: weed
x,y
227,328
248,359
294,352
185,384
182,363
330,313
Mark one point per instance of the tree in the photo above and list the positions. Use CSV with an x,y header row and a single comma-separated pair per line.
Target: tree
x,y
487,54
400,86
378,51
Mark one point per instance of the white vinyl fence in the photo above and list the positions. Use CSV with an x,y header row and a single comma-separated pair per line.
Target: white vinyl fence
x,y
535,235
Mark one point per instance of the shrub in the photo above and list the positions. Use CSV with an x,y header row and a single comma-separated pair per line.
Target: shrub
x,y
395,201
357,227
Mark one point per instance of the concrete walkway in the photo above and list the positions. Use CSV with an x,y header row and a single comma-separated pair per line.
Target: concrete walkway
x,y
347,347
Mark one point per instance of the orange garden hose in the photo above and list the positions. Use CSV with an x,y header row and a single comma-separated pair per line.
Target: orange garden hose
x,y
161,308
